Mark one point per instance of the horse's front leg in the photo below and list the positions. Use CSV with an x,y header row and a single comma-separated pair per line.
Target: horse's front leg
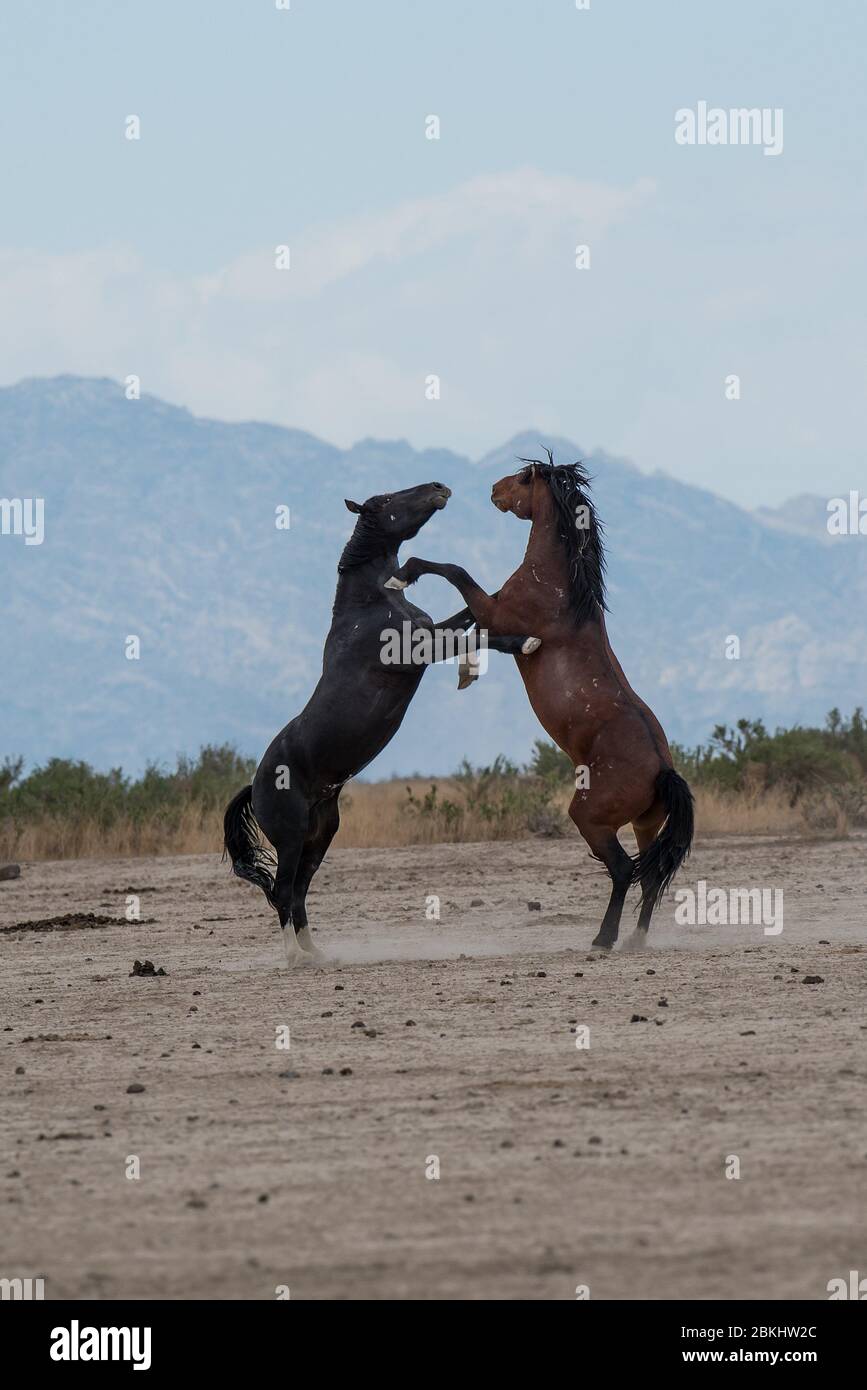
x,y
480,604
469,643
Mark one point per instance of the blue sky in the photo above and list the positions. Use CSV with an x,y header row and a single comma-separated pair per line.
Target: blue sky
x,y
454,257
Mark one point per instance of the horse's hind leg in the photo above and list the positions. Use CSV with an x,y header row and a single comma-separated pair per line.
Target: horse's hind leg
x,y
325,826
605,845
289,844
645,834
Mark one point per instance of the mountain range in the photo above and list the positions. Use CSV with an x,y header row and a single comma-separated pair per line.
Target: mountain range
x,y
163,526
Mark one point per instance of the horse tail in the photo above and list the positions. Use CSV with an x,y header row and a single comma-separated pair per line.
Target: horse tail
x,y
242,844
657,865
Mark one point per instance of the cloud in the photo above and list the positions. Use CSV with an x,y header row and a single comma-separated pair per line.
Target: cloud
x,y
342,342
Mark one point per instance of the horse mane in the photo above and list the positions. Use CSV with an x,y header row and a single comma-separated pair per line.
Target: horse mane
x,y
366,543
585,549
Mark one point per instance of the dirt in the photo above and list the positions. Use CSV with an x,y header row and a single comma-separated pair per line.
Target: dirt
x,y
430,1045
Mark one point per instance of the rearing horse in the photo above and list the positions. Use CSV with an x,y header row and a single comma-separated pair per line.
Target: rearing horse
x,y
576,685
357,707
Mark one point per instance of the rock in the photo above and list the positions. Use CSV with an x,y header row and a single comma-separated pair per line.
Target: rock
x,y
146,968
813,980
135,1089
10,871
534,906
638,1018
477,902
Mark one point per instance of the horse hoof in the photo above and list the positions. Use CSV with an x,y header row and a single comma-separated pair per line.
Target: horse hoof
x,y
598,945
531,645
293,954
312,952
395,583
468,670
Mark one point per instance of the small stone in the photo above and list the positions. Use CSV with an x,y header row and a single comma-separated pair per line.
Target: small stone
x,y
638,1018
135,1089
477,902
346,1071
813,980
534,906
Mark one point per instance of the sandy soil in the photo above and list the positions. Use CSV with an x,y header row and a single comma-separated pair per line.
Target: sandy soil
x,y
559,1167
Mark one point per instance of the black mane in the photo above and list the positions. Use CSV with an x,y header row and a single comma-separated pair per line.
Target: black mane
x,y
585,547
367,542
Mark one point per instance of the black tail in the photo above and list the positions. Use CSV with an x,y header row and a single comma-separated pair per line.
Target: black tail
x,y
242,844
656,867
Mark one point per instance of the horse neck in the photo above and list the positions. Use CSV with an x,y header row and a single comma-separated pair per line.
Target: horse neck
x,y
545,552
359,584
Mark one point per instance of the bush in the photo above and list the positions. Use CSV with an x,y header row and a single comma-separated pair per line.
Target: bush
x,y
67,790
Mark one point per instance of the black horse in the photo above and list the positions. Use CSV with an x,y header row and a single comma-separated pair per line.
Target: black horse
x,y
355,710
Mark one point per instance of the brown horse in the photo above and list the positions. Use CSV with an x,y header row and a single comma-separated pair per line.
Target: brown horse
x,y
577,688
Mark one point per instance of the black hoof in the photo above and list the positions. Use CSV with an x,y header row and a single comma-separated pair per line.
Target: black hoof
x,y
600,944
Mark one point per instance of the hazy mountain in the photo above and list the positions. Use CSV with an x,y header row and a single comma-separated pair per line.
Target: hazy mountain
x,y
805,515
161,525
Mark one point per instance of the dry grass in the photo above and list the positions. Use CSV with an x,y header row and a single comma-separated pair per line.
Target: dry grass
x,y
378,814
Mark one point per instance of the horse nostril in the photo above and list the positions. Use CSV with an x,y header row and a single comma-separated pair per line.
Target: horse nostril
x,y
439,485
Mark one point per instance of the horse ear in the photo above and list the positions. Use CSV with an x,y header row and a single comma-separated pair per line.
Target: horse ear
x,y
354,506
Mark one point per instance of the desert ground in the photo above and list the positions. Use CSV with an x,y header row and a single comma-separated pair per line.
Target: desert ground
x,y
428,1043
